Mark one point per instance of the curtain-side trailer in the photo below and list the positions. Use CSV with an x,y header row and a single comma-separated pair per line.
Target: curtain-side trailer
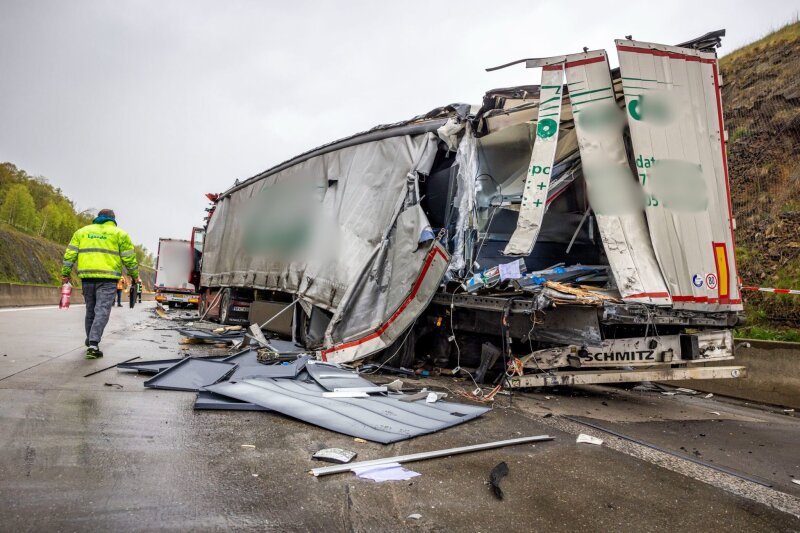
x,y
575,231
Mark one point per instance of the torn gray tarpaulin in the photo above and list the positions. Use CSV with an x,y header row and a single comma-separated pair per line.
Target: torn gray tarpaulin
x,y
377,418
190,375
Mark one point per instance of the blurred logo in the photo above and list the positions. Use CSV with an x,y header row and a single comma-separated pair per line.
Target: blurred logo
x,y
697,280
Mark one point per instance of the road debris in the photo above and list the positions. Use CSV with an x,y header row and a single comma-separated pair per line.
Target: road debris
x,y
414,516
588,439
495,476
334,455
384,472
422,456
108,367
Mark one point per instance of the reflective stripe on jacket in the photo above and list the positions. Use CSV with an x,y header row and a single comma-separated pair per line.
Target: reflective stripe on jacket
x,y
100,251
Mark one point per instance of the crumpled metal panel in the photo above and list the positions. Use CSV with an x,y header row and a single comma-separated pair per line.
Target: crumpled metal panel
x,y
209,335
332,378
209,401
150,367
190,375
249,367
158,365
378,418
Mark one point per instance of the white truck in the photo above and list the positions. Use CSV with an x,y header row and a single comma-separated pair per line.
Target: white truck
x,y
174,268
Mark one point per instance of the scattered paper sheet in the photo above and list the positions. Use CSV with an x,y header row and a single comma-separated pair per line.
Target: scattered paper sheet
x,y
385,472
588,439
510,271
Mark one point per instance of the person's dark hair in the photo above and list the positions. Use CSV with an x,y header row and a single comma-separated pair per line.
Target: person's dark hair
x,y
106,213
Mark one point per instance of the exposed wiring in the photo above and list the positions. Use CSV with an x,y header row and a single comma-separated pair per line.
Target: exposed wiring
x,y
399,347
455,341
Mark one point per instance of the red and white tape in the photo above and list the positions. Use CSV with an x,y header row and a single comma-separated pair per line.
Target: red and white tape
x,y
770,289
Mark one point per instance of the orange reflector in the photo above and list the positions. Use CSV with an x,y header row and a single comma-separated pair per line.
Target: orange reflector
x,y
723,278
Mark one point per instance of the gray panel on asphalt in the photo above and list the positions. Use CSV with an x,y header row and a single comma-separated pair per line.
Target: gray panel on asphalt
x,y
190,375
378,418
332,377
211,401
249,367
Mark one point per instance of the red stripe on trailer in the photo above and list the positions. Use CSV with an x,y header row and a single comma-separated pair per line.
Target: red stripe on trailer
x,y
587,61
664,53
559,66
696,299
647,295
408,300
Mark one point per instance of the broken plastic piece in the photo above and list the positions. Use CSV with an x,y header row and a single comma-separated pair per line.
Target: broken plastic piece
x,y
395,386
495,476
335,455
588,439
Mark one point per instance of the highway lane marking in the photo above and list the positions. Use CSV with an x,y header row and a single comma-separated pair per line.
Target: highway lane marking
x,y
36,308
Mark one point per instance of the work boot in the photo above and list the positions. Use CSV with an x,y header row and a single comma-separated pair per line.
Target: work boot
x,y
93,352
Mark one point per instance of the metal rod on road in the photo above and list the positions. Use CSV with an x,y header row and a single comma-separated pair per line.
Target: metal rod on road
x,y
110,367
326,470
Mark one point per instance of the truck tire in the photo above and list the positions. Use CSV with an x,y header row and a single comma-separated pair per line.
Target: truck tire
x,y
201,304
225,307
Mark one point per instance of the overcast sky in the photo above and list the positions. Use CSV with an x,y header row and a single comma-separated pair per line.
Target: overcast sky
x,y
144,106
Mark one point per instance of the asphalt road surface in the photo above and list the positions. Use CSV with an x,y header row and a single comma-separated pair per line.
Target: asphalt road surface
x,y
103,453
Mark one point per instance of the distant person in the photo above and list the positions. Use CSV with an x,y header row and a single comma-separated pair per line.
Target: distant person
x,y
98,252
139,290
120,290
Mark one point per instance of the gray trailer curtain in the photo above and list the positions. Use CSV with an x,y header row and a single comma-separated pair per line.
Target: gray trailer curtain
x,y
342,230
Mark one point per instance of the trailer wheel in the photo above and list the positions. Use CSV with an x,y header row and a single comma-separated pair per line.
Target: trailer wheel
x,y
225,307
201,304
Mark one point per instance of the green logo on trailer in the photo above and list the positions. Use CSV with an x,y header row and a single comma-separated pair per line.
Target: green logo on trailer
x,y
547,128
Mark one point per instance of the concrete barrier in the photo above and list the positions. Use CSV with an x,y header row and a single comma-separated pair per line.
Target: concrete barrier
x,y
773,374
18,295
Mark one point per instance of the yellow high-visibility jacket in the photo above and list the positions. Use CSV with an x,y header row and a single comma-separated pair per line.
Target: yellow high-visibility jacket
x,y
99,251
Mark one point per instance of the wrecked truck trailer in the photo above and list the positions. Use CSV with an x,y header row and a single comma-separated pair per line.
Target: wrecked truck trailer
x,y
575,231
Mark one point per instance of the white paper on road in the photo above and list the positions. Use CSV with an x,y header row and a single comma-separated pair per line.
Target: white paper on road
x,y
385,472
